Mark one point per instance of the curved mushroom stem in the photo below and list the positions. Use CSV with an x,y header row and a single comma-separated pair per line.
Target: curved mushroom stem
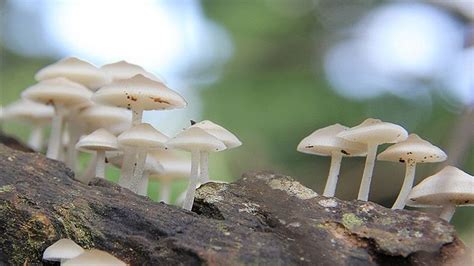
x,y
143,186
331,183
165,191
100,164
368,170
74,130
137,115
55,136
35,140
128,166
406,187
88,173
204,167
139,169
447,212
189,199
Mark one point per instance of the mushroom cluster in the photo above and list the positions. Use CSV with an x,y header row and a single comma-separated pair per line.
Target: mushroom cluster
x,y
67,252
99,111
338,141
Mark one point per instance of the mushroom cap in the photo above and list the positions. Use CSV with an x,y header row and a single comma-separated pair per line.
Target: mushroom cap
x,y
414,149
196,139
229,139
375,131
99,140
75,70
139,92
28,111
175,165
448,186
142,136
125,70
62,249
324,142
101,116
94,257
59,91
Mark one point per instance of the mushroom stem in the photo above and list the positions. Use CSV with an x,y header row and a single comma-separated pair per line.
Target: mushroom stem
x,y
406,187
334,169
137,115
100,164
368,170
204,167
189,198
35,140
165,191
88,173
126,172
138,171
447,212
143,186
74,131
55,137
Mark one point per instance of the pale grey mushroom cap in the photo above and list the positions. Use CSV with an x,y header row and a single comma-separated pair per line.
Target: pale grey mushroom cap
x,y
99,140
101,116
375,131
63,249
448,186
175,165
28,111
139,92
125,70
413,149
76,70
58,91
94,257
229,139
196,139
143,136
324,142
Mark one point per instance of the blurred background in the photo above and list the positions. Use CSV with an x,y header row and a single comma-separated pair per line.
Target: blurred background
x,y
272,72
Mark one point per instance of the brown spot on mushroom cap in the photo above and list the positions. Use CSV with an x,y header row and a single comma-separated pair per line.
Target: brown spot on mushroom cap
x,y
401,160
134,98
159,100
310,146
345,152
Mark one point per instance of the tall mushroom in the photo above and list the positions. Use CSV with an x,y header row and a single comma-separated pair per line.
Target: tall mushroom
x,y
99,142
95,257
372,132
324,142
448,188
135,143
139,93
195,140
29,112
62,251
62,94
411,151
230,140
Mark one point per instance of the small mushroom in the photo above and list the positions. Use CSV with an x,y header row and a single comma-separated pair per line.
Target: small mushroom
x,y
95,257
62,94
448,188
411,151
229,139
135,143
372,132
99,142
29,112
125,70
195,140
139,93
62,251
324,142
76,70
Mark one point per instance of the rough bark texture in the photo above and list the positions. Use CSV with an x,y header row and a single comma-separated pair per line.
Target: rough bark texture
x,y
262,219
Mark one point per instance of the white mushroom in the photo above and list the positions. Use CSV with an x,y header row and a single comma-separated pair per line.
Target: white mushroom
x,y
139,93
125,70
95,257
195,140
448,188
325,143
62,251
99,142
373,132
411,151
114,119
62,94
29,112
229,139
